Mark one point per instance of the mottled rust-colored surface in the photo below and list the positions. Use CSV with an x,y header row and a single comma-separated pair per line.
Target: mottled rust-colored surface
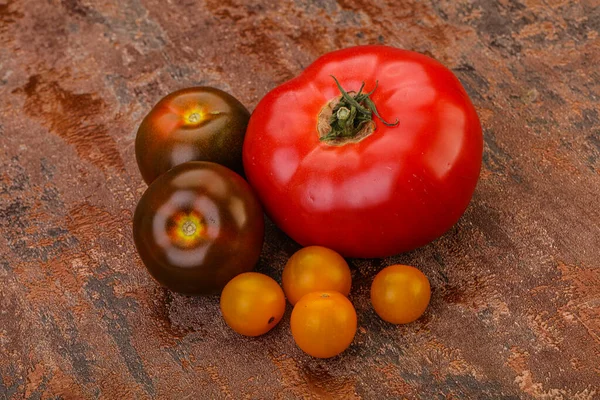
x,y
515,311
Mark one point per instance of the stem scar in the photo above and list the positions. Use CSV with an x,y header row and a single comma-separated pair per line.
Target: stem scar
x,y
350,117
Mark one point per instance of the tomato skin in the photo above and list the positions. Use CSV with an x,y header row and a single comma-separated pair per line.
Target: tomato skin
x,y
323,323
197,226
400,294
192,124
397,189
252,304
313,269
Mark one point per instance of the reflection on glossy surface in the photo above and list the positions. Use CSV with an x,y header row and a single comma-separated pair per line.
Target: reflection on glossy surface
x,y
182,153
285,163
325,195
197,226
380,181
448,142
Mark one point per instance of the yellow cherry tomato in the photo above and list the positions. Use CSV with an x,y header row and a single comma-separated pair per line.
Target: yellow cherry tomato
x,y
315,268
323,323
400,294
252,303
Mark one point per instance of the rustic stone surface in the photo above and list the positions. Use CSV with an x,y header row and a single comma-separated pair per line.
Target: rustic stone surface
x,y
515,311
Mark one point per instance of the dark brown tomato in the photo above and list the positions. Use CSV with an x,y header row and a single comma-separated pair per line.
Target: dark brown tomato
x,y
193,124
197,226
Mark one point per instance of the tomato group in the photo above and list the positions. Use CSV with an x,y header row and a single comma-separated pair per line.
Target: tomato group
x,y
197,226
314,269
323,324
400,294
193,124
252,303
372,179
370,152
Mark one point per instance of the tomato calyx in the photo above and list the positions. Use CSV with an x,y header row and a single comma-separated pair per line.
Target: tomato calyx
x,y
349,118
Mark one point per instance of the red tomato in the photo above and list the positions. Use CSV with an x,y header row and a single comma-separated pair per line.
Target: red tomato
x,y
375,189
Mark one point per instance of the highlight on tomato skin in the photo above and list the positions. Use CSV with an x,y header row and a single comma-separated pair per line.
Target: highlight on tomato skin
x,y
252,304
400,294
192,124
197,226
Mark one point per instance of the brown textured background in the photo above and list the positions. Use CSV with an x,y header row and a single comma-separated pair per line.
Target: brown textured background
x,y
515,311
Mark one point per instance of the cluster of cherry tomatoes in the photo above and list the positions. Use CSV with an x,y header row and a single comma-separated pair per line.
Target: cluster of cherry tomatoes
x,y
317,281
329,170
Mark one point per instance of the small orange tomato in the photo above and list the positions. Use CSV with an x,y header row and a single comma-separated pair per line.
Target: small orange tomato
x,y
252,303
400,294
323,323
315,268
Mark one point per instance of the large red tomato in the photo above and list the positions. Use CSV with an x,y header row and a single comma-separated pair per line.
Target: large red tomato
x,y
333,172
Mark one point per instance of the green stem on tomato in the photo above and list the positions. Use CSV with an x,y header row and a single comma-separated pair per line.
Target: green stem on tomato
x,y
351,113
